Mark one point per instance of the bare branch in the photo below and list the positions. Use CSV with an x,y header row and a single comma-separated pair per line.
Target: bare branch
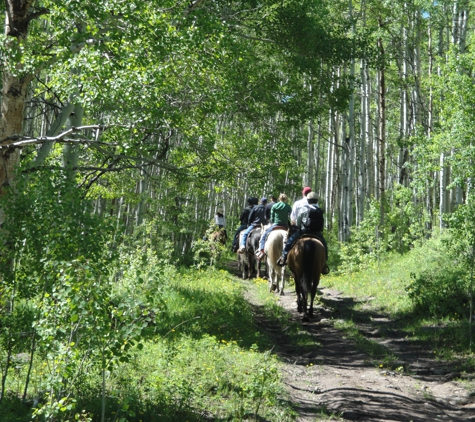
x,y
21,141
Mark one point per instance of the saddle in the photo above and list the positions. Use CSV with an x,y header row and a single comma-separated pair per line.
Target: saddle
x,y
279,228
306,236
311,236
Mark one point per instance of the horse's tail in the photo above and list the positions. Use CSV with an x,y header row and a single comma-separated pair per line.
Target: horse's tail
x,y
308,265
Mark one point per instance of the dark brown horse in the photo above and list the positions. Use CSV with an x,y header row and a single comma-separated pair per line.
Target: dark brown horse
x,y
306,261
247,261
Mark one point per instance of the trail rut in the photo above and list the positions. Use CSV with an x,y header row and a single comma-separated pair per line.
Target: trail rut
x,y
336,379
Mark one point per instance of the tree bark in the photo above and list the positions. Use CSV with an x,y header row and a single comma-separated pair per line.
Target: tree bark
x,y
14,92
382,129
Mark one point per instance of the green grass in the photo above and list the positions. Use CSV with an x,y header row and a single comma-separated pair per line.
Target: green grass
x,y
203,358
384,283
383,288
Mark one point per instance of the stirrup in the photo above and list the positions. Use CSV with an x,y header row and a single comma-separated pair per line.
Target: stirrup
x,y
282,261
260,255
325,270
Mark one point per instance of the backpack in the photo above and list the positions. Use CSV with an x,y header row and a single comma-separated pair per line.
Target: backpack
x,y
314,222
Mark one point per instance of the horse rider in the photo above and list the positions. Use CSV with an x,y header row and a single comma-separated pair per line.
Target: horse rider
x,y
256,218
244,219
299,204
309,221
279,216
269,206
220,220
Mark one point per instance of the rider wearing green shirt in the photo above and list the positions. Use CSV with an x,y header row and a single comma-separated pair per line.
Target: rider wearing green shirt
x,y
279,216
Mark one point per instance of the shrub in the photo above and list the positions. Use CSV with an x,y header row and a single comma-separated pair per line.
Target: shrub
x,y
439,292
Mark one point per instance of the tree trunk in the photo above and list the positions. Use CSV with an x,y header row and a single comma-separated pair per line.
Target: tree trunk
x,y
54,130
382,131
14,91
310,156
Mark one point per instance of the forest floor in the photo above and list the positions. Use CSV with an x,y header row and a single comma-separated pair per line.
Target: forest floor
x,y
336,379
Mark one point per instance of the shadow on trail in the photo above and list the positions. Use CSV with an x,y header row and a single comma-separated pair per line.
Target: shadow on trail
x,y
369,370
374,406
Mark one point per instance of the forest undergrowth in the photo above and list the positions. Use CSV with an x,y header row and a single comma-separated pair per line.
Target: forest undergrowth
x,y
99,328
199,357
425,288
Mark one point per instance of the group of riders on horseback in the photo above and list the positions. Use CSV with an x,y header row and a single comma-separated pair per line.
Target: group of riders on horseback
x,y
304,218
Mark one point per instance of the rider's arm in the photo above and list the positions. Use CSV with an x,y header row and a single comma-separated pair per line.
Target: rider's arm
x,y
302,213
293,214
251,217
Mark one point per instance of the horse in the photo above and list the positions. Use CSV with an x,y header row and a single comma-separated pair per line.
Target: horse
x,y
273,250
219,236
217,241
306,261
247,260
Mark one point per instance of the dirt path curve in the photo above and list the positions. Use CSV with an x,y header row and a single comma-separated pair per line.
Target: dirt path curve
x,y
336,379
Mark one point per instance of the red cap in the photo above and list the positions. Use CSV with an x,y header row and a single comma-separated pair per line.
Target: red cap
x,y
306,190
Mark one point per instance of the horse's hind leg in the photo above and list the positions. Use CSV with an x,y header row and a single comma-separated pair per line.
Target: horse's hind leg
x,y
272,285
297,292
313,292
306,315
282,280
304,295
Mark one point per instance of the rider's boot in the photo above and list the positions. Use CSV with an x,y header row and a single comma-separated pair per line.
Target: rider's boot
x,y
282,260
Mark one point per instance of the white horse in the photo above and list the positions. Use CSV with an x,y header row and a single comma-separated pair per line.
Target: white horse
x,y
273,249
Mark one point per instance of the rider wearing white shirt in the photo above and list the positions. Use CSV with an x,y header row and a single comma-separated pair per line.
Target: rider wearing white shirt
x,y
219,219
309,221
299,204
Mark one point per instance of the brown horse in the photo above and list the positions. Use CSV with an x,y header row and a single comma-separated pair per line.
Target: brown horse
x,y
306,261
217,242
219,236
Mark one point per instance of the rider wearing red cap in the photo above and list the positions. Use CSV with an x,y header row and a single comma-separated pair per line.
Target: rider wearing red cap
x,y
299,204
309,221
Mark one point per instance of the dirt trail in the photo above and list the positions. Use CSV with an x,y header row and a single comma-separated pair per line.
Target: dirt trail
x,y
336,378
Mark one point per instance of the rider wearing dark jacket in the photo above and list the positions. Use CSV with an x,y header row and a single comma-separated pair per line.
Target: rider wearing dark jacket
x,y
258,214
256,218
307,225
244,219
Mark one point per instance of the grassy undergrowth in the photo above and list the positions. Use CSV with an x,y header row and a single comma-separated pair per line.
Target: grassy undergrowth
x,y
203,358
416,291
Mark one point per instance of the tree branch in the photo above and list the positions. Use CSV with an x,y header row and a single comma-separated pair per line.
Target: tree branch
x,y
16,141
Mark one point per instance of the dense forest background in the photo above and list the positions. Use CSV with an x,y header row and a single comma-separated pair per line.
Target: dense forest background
x,y
165,112
125,125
